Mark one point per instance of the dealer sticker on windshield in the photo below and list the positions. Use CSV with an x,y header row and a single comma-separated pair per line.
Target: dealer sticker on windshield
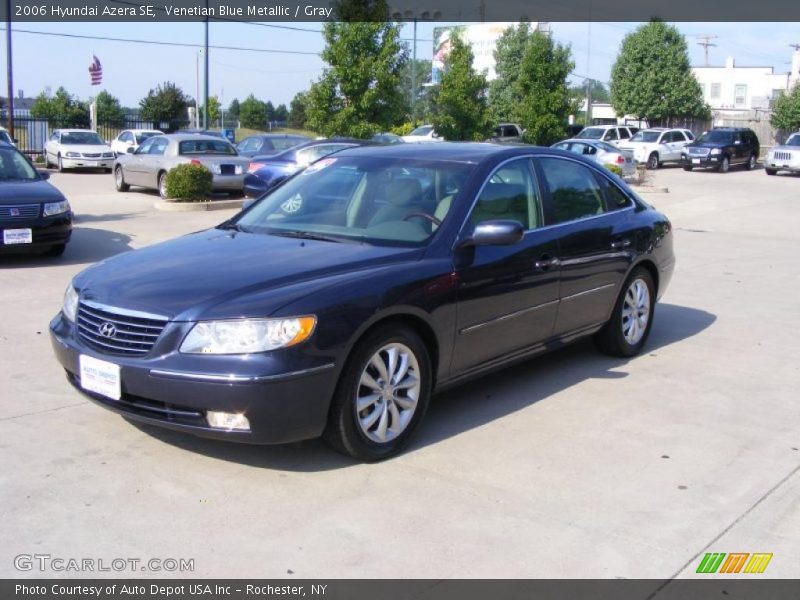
x,y
17,236
319,165
100,377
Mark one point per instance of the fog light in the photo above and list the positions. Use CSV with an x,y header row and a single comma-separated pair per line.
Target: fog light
x,y
229,421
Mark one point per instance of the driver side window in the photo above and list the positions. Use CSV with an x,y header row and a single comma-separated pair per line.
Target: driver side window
x,y
145,148
510,193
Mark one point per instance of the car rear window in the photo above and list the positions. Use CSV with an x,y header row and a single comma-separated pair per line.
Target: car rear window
x,y
591,133
195,147
646,136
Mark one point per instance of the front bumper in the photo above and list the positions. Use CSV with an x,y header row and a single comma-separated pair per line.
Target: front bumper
x,y
45,232
285,395
701,162
87,163
782,165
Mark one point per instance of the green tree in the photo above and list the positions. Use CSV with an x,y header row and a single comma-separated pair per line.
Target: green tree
x,y
600,93
233,110
165,106
461,111
61,110
281,113
270,111
253,113
652,78
297,111
786,110
503,102
422,75
359,92
543,100
213,110
109,110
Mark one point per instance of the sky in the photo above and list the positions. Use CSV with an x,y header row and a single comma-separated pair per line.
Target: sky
x,y
131,69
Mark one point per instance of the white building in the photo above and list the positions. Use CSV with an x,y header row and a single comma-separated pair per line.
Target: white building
x,y
744,88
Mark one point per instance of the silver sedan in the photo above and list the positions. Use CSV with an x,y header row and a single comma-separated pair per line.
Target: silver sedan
x,y
148,165
602,153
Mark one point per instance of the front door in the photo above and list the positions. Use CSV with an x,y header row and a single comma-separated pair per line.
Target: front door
x,y
507,295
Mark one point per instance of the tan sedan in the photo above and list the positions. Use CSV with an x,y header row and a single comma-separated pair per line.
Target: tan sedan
x,y
148,165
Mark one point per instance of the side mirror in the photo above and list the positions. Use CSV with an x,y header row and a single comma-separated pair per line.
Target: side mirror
x,y
129,150
44,175
15,140
496,233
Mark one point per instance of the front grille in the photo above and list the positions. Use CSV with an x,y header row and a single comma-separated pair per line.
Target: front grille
x,y
227,169
19,211
88,155
787,156
131,335
699,151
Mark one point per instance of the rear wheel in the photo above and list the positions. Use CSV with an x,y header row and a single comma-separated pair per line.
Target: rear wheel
x,y
751,162
162,185
627,330
119,180
652,161
771,171
687,167
382,395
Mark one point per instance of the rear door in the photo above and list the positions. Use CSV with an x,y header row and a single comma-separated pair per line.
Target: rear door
x,y
507,295
133,167
593,242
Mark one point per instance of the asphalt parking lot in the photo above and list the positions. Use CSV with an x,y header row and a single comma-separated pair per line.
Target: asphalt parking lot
x,y
571,465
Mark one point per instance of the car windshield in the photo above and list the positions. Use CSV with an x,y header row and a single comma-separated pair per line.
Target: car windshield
x,y
424,130
14,166
591,133
646,136
81,137
716,137
380,201
206,147
143,135
794,140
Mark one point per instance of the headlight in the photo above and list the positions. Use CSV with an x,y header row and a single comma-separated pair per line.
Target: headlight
x,y
715,151
55,208
247,336
70,305
73,155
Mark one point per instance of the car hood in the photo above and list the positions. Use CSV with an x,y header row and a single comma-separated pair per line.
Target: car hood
x,y
211,273
21,192
783,148
85,148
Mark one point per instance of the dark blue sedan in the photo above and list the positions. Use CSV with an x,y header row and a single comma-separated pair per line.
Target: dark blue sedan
x,y
339,302
34,215
266,171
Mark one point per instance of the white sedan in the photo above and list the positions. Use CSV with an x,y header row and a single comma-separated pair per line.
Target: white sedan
x,y
423,133
132,138
78,149
602,153
658,145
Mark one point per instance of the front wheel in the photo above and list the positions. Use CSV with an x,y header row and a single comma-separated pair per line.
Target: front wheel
x,y
751,162
652,161
162,186
627,330
46,160
771,171
119,180
382,395
60,164
725,164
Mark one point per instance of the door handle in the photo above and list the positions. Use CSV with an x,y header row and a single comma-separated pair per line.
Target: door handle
x,y
546,262
619,244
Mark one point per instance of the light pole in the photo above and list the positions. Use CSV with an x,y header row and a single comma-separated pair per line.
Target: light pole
x,y
205,75
413,17
10,72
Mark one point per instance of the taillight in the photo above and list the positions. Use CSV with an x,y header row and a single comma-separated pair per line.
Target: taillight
x,y
254,166
195,162
620,159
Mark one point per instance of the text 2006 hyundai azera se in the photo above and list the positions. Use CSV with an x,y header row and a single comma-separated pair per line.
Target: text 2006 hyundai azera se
x,y
335,305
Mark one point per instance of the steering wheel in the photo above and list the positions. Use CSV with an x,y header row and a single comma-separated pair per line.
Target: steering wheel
x,y
424,215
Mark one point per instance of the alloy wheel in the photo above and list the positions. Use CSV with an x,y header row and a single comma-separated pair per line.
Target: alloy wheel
x,y
387,393
635,311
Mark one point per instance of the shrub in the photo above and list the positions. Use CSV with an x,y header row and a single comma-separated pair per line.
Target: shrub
x,y
189,183
403,129
615,169
39,160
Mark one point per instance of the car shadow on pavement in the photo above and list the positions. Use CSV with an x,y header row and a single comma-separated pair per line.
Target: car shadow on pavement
x,y
84,218
87,245
460,409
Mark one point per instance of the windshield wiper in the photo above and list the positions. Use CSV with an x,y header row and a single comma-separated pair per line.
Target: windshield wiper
x,y
307,235
231,227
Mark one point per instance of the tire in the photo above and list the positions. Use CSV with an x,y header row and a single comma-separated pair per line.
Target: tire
x,y
384,407
623,336
687,167
751,162
162,185
60,164
724,165
119,180
652,161
771,171
46,160
56,250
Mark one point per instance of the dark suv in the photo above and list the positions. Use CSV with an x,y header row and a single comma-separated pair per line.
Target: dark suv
x,y
720,148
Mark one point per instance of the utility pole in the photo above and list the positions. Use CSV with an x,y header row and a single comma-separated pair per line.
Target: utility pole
x,y
414,80
706,43
10,71
205,77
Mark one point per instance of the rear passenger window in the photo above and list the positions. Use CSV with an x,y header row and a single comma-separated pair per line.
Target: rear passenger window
x,y
623,134
611,135
574,190
616,199
511,194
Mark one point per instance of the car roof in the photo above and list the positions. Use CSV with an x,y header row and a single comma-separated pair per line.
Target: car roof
x,y
584,141
180,137
463,152
76,130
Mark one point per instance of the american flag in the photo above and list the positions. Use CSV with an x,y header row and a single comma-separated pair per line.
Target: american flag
x,y
95,71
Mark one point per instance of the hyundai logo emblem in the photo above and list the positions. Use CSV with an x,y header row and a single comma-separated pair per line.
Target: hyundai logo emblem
x,y
107,330
14,212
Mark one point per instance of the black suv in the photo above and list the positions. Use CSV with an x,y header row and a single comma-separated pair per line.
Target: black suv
x,y
720,148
